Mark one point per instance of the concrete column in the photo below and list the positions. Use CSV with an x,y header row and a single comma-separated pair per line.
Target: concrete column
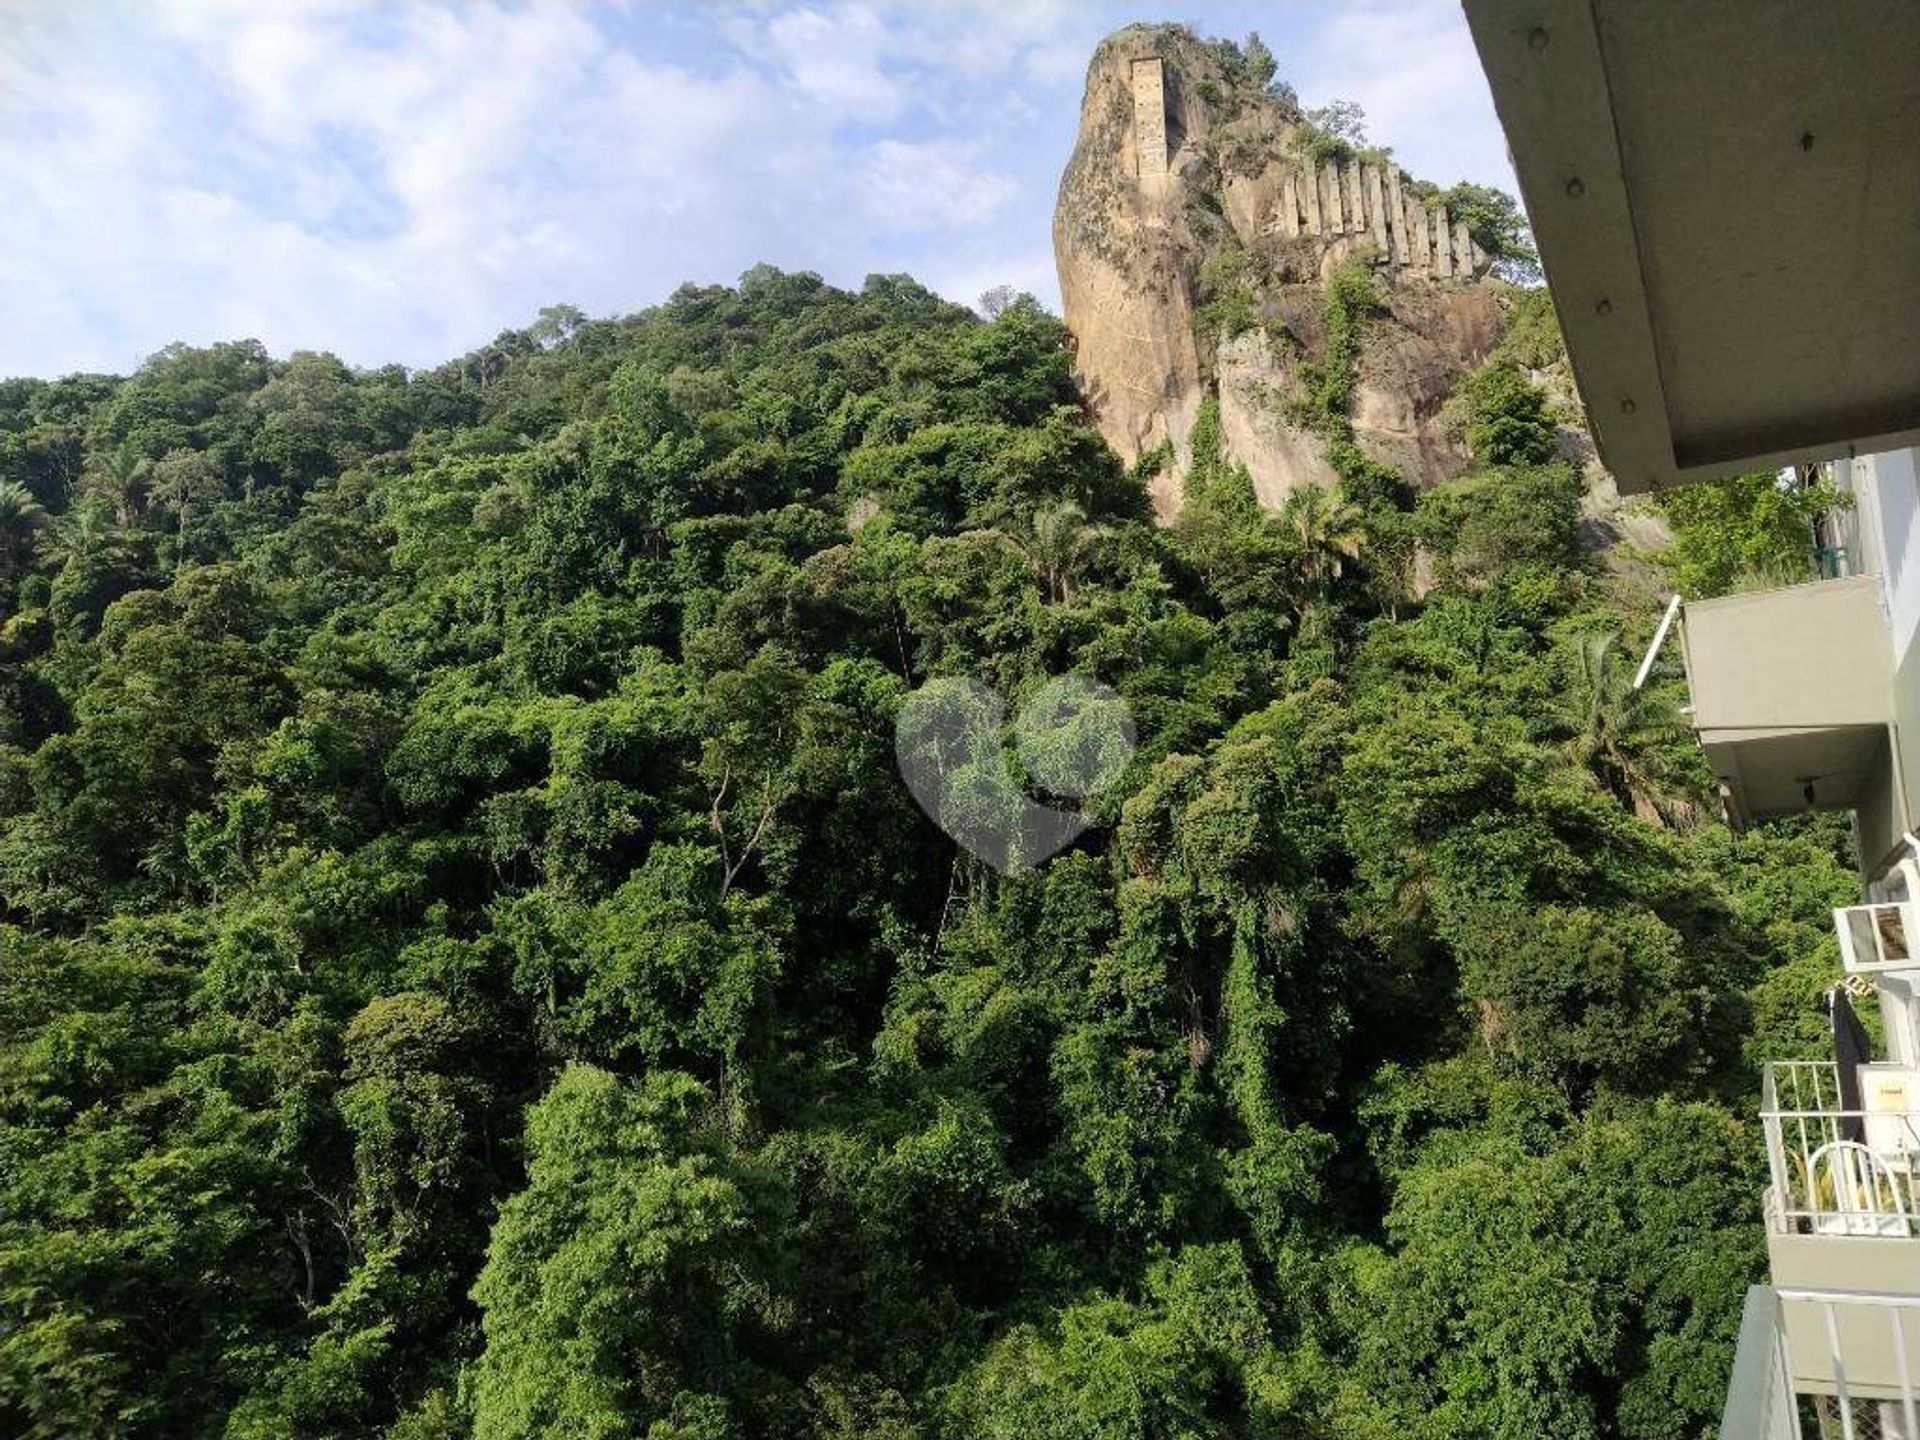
x,y
1397,217
1150,116
1463,249
1375,213
1442,244
1310,192
1289,206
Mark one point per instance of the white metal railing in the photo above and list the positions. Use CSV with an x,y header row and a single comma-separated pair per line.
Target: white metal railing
x,y
1824,1365
1760,1399
1837,1170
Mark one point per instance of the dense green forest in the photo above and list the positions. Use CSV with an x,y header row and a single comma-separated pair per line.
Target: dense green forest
x,y
472,966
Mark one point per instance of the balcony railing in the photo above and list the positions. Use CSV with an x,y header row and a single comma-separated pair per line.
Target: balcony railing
x,y
1761,1404
1836,1170
1820,1365
1832,562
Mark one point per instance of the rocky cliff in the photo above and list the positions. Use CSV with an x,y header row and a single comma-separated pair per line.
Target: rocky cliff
x,y
1202,226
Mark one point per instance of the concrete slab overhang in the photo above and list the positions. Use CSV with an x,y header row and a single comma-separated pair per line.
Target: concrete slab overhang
x,y
1792,693
1726,196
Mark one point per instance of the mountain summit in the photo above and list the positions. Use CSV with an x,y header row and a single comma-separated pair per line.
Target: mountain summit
x,y
1215,241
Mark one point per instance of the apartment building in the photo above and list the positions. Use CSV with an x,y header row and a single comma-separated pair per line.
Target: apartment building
x,y
1726,196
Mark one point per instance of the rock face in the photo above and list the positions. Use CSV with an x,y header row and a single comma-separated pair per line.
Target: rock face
x,y
1198,222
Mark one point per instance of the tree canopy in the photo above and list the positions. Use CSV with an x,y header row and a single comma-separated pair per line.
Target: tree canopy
x,y
472,967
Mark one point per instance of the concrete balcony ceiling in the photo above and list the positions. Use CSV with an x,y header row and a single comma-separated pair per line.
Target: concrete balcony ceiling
x,y
1726,196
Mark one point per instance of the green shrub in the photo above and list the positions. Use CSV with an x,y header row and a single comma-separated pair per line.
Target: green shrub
x,y
1505,418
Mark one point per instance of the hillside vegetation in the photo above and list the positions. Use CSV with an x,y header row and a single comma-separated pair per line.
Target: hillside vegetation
x,y
472,967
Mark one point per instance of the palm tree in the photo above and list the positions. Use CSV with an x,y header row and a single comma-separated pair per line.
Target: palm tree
x,y
84,530
1327,531
1614,729
22,518
121,480
1057,538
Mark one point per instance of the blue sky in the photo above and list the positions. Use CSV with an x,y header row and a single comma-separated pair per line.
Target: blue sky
x,y
398,182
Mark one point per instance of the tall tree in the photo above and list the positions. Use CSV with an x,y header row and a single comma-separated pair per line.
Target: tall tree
x,y
1614,731
22,519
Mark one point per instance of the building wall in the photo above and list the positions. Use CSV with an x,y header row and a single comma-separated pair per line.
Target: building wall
x,y
1877,827
1899,511
1906,737
1886,490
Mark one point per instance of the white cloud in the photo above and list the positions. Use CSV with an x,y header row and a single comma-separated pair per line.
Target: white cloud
x,y
836,58
398,181
906,187
502,158
1412,67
